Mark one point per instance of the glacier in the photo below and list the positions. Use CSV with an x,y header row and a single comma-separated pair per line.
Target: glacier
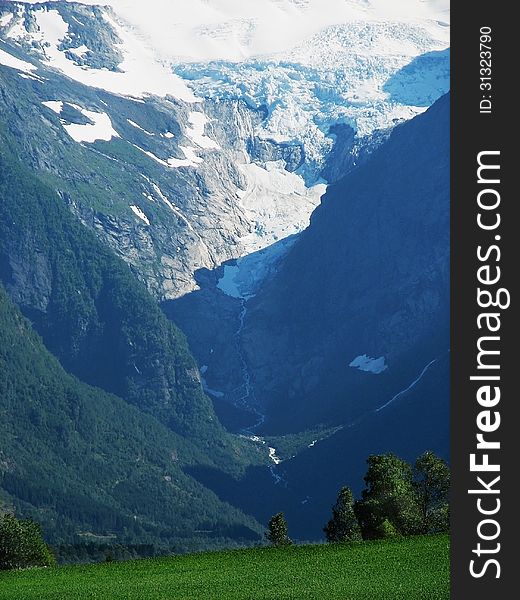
x,y
357,74
307,66
337,76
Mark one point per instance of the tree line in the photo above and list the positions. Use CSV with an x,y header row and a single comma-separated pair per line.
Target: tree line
x,y
398,500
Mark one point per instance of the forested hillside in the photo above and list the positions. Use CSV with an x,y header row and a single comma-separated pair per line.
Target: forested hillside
x,y
88,464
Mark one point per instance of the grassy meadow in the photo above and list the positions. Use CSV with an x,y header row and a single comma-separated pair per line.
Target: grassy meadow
x,y
414,568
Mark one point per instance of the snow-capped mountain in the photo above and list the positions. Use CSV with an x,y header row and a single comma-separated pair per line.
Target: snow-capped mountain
x,y
298,68
195,139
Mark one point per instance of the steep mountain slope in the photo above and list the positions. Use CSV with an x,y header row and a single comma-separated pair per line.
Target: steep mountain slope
x,y
88,464
140,173
360,305
193,140
91,468
179,173
92,314
152,169
305,484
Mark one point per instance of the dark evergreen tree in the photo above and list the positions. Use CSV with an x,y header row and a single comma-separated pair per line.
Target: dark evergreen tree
x,y
277,532
388,504
343,526
22,544
431,481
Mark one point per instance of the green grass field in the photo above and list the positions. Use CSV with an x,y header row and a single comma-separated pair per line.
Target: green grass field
x,y
406,569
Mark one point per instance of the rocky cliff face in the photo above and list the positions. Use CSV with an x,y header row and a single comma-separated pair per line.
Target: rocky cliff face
x,y
115,175
157,177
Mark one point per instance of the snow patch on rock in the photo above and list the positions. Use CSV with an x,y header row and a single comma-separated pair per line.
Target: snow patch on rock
x,y
139,74
172,206
80,51
100,128
198,122
32,77
6,19
55,105
16,29
8,60
139,213
134,124
369,365
190,160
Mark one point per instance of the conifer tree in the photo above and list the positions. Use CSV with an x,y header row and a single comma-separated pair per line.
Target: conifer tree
x,y
388,504
432,485
277,532
343,526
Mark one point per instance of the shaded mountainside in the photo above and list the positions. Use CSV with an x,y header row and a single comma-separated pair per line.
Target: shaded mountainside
x,y
360,305
306,484
71,454
369,277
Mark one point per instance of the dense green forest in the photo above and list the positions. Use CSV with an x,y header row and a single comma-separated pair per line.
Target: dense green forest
x,y
90,467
